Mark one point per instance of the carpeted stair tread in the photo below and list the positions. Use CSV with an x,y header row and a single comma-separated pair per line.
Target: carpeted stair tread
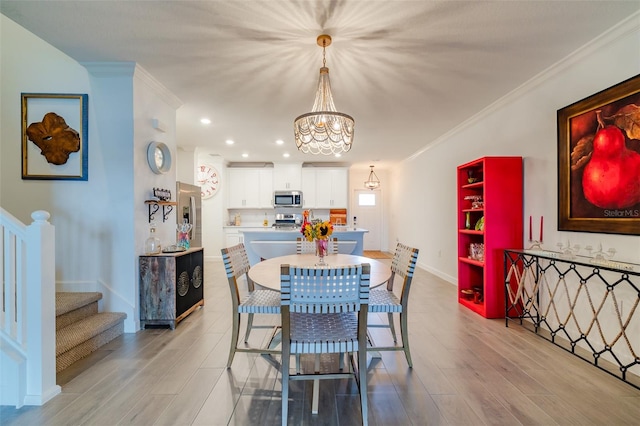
x,y
85,329
68,301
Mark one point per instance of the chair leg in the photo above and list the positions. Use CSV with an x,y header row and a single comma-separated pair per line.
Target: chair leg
x,y
362,374
392,326
315,401
249,325
285,387
405,338
297,363
235,332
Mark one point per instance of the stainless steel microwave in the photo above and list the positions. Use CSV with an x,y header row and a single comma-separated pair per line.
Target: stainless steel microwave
x,y
287,199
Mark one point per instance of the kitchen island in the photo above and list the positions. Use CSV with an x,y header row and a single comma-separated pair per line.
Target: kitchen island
x,y
272,242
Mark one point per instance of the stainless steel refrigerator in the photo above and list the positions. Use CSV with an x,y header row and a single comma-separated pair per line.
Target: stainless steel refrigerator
x,y
189,210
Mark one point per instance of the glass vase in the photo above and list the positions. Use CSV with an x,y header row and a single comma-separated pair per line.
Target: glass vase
x,y
152,244
321,251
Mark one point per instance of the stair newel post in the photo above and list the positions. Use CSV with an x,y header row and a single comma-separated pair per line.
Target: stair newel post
x,y
39,303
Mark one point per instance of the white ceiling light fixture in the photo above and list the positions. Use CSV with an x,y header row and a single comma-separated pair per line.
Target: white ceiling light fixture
x,y
373,182
324,130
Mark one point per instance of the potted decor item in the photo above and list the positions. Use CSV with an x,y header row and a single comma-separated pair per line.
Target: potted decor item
x,y
318,232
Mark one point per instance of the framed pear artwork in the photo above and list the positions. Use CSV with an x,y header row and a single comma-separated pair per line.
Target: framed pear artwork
x,y
599,162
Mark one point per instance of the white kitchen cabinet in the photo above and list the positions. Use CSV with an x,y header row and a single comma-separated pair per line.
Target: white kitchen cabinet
x,y
308,187
325,188
250,187
331,188
266,188
286,177
232,237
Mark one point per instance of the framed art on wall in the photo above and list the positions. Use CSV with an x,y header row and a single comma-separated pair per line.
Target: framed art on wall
x,y
55,136
599,162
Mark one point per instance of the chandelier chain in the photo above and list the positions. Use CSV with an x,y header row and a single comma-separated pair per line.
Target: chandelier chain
x,y
324,52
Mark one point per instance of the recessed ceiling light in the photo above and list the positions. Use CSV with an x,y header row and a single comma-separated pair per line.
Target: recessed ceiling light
x,y
286,155
338,155
205,121
229,142
245,155
279,142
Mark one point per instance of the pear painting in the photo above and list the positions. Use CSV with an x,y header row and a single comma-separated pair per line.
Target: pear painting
x,y
611,178
611,175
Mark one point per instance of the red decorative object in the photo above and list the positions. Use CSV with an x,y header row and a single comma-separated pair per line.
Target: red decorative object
x,y
599,161
500,185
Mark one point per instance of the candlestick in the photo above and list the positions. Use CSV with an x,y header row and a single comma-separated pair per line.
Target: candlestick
x,y
541,222
530,231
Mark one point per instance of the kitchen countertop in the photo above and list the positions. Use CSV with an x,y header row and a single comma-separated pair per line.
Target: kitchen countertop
x,y
265,243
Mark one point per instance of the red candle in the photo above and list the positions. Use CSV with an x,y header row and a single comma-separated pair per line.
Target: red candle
x,y
541,222
530,234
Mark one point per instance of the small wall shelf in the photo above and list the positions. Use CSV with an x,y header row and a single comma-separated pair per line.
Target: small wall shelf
x,y
154,206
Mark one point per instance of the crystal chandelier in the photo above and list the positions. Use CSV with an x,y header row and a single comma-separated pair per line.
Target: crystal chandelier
x,y
373,182
323,130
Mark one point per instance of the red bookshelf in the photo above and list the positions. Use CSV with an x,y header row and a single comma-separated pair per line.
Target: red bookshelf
x,y
498,183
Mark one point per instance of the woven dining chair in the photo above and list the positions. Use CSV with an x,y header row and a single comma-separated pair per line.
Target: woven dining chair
x,y
384,300
236,264
324,311
304,246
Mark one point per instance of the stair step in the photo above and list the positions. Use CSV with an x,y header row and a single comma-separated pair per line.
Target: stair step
x,y
85,329
69,301
78,340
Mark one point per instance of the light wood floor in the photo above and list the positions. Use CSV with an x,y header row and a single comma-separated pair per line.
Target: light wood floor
x,y
467,371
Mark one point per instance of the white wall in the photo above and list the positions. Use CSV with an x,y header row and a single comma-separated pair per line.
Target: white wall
x,y
213,209
523,123
101,224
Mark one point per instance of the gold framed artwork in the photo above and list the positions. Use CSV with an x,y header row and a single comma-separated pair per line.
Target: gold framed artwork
x,y
55,136
599,162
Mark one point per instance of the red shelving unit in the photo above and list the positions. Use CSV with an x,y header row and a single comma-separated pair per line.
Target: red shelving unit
x,y
498,181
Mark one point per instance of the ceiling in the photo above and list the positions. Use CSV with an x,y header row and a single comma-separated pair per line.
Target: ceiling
x,y
407,71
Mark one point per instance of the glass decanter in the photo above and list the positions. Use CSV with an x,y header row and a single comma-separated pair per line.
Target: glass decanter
x,y
152,244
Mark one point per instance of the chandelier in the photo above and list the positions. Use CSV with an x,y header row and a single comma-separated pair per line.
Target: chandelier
x,y
323,130
373,182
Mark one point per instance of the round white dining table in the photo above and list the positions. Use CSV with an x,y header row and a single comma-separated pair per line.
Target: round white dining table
x,y
267,272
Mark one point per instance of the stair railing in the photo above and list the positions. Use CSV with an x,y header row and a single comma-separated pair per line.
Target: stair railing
x,y
28,312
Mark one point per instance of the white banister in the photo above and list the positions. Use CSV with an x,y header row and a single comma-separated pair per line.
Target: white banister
x,y
27,324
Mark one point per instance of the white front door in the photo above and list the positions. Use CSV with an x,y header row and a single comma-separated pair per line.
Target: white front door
x,y
368,211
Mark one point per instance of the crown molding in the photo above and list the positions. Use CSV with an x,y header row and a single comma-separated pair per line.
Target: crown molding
x,y
156,86
623,29
110,69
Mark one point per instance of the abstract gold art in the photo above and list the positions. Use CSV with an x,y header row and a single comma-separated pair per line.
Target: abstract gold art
x,y
54,137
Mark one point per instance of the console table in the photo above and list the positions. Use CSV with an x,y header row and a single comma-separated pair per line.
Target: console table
x,y
589,307
171,286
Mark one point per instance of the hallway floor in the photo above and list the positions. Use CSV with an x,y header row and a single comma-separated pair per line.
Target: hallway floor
x,y
467,371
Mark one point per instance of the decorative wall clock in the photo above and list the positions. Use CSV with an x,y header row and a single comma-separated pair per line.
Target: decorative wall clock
x,y
209,180
159,157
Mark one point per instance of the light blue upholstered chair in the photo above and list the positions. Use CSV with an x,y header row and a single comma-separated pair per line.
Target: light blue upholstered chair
x,y
236,264
324,311
384,300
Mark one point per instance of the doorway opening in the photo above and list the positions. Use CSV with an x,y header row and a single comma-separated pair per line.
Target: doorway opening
x,y
367,209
